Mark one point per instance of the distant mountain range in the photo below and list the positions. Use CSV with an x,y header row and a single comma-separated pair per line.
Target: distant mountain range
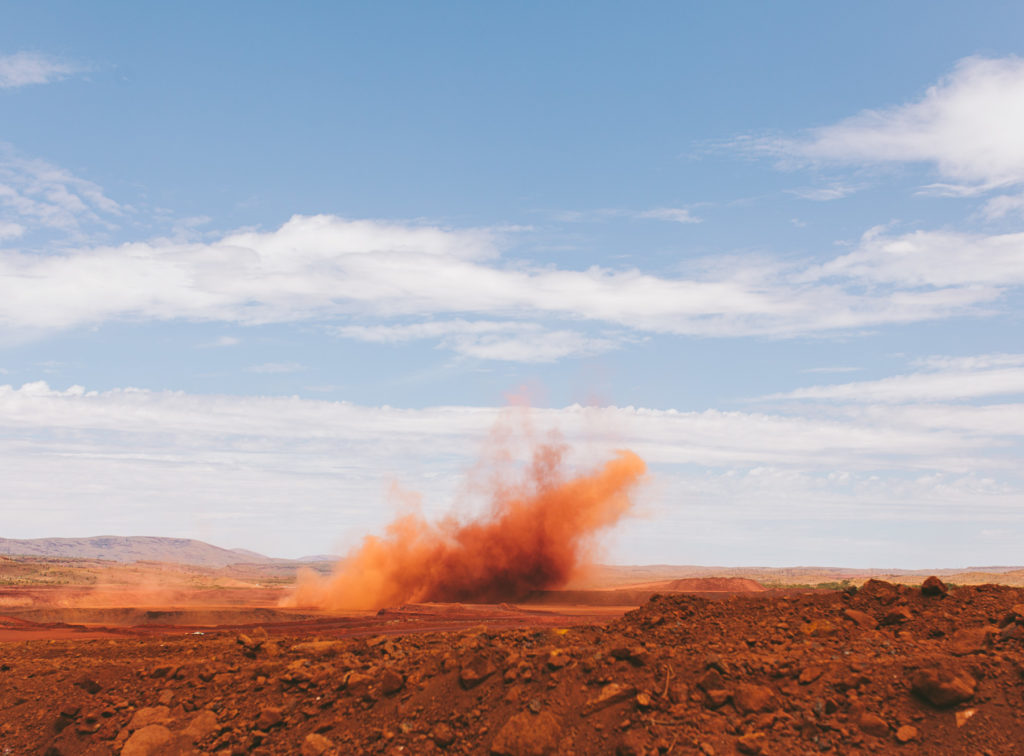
x,y
137,549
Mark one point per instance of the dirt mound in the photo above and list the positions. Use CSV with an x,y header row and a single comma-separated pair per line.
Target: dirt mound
x,y
714,585
886,669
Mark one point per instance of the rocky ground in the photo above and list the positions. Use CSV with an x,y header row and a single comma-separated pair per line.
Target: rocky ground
x,y
886,669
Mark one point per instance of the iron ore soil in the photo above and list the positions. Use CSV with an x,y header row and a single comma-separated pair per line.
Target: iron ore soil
x,y
888,669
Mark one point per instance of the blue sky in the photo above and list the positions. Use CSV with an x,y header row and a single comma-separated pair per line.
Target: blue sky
x,y
259,263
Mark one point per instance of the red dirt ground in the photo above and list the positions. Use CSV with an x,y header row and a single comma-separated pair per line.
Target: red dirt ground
x,y
888,669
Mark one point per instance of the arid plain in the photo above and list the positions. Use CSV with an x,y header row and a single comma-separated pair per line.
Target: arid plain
x,y
101,657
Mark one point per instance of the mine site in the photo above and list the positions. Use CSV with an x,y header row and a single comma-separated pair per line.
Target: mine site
x,y
495,636
455,378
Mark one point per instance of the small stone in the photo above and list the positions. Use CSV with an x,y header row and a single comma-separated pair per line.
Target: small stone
x,y
149,716
390,682
610,694
906,733
810,674
963,716
89,685
638,656
873,724
316,745
751,743
204,723
527,735
897,616
943,687
643,700
863,619
443,735
969,640
558,659
475,671
146,741
748,698
269,716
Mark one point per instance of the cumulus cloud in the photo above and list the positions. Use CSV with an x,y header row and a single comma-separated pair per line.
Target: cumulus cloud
x,y
24,68
967,126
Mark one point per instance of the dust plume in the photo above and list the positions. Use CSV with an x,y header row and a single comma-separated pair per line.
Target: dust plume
x,y
534,535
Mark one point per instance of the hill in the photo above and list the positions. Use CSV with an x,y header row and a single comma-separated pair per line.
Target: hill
x,y
133,549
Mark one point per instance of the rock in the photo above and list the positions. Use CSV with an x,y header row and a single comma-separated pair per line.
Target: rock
x,y
638,656
873,724
819,629
943,687
711,680
316,745
752,743
319,648
963,716
475,671
204,723
716,698
442,735
632,743
558,659
360,685
748,698
269,716
863,619
969,640
810,674
89,685
149,716
932,586
527,734
880,590
610,694
897,616
389,682
146,741
906,733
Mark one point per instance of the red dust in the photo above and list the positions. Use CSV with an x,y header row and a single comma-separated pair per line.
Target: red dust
x,y
534,536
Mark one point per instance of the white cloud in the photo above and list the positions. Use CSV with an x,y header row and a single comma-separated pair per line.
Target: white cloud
x,y
920,387
1003,205
328,268
24,68
36,194
835,369
223,341
967,126
276,367
514,341
288,471
940,259
674,214
825,193
970,362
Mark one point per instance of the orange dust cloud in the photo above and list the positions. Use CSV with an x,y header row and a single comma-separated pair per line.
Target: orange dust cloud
x,y
534,536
